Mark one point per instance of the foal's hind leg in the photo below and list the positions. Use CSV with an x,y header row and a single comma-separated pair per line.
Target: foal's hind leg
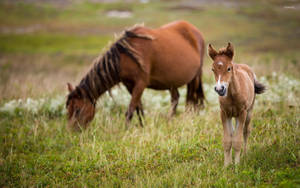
x,y
247,130
174,101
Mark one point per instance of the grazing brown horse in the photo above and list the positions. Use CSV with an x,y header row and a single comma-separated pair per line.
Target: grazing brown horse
x,y
236,86
162,59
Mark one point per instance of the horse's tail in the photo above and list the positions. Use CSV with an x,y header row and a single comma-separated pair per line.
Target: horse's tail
x,y
259,88
195,93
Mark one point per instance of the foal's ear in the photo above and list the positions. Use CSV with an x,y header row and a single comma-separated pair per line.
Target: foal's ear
x,y
212,52
70,87
229,50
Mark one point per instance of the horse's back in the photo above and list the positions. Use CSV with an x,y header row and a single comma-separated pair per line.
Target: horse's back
x,y
177,31
174,57
186,30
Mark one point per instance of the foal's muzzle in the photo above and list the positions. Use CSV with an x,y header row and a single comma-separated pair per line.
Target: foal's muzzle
x,y
220,90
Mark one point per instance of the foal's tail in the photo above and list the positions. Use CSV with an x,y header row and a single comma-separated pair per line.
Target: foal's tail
x,y
259,87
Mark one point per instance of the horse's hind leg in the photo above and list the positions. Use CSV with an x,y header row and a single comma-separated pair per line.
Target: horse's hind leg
x,y
174,101
195,95
247,130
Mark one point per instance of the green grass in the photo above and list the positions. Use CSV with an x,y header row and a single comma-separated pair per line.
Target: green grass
x,y
45,43
44,46
185,151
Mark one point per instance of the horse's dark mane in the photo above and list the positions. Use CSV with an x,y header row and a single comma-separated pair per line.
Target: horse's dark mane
x,y
105,72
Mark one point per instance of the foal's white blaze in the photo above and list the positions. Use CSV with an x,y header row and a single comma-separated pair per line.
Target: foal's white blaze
x,y
219,85
220,63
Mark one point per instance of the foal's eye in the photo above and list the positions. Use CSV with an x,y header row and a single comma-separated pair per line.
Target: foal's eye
x,y
213,70
228,69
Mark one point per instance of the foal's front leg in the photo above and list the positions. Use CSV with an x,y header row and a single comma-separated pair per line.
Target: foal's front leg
x,y
227,138
237,140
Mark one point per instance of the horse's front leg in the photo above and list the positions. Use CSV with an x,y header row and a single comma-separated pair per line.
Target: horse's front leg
x,y
227,138
140,112
237,140
174,101
136,94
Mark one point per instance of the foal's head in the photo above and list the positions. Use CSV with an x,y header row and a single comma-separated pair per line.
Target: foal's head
x,y
222,67
80,108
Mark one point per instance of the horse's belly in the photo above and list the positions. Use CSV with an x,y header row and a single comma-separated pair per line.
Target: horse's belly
x,y
176,75
163,83
176,71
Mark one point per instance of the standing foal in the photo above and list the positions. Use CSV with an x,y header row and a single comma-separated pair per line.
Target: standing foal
x,y
236,86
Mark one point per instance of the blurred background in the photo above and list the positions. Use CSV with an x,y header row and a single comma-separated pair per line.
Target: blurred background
x,y
46,43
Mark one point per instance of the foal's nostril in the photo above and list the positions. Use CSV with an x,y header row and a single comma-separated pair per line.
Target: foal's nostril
x,y
216,89
222,88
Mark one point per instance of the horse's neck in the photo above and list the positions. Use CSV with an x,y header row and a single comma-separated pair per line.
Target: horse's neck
x,y
93,89
101,78
106,71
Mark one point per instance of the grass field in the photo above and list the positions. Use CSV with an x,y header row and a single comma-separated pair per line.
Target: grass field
x,y
45,45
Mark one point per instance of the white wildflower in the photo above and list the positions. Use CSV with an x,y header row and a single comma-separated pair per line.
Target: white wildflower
x,y
56,103
281,88
10,106
31,105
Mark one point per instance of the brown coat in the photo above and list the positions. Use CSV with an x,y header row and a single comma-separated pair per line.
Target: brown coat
x,y
237,86
164,58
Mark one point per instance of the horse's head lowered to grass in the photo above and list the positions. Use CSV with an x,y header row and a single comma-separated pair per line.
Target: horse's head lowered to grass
x,y
80,107
222,67
103,75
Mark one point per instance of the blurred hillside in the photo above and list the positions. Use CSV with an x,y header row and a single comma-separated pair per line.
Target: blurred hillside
x,y
44,44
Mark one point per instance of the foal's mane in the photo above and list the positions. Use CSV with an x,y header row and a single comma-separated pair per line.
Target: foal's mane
x,y
222,51
105,72
225,51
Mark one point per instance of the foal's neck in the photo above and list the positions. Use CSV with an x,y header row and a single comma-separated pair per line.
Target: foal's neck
x,y
234,85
